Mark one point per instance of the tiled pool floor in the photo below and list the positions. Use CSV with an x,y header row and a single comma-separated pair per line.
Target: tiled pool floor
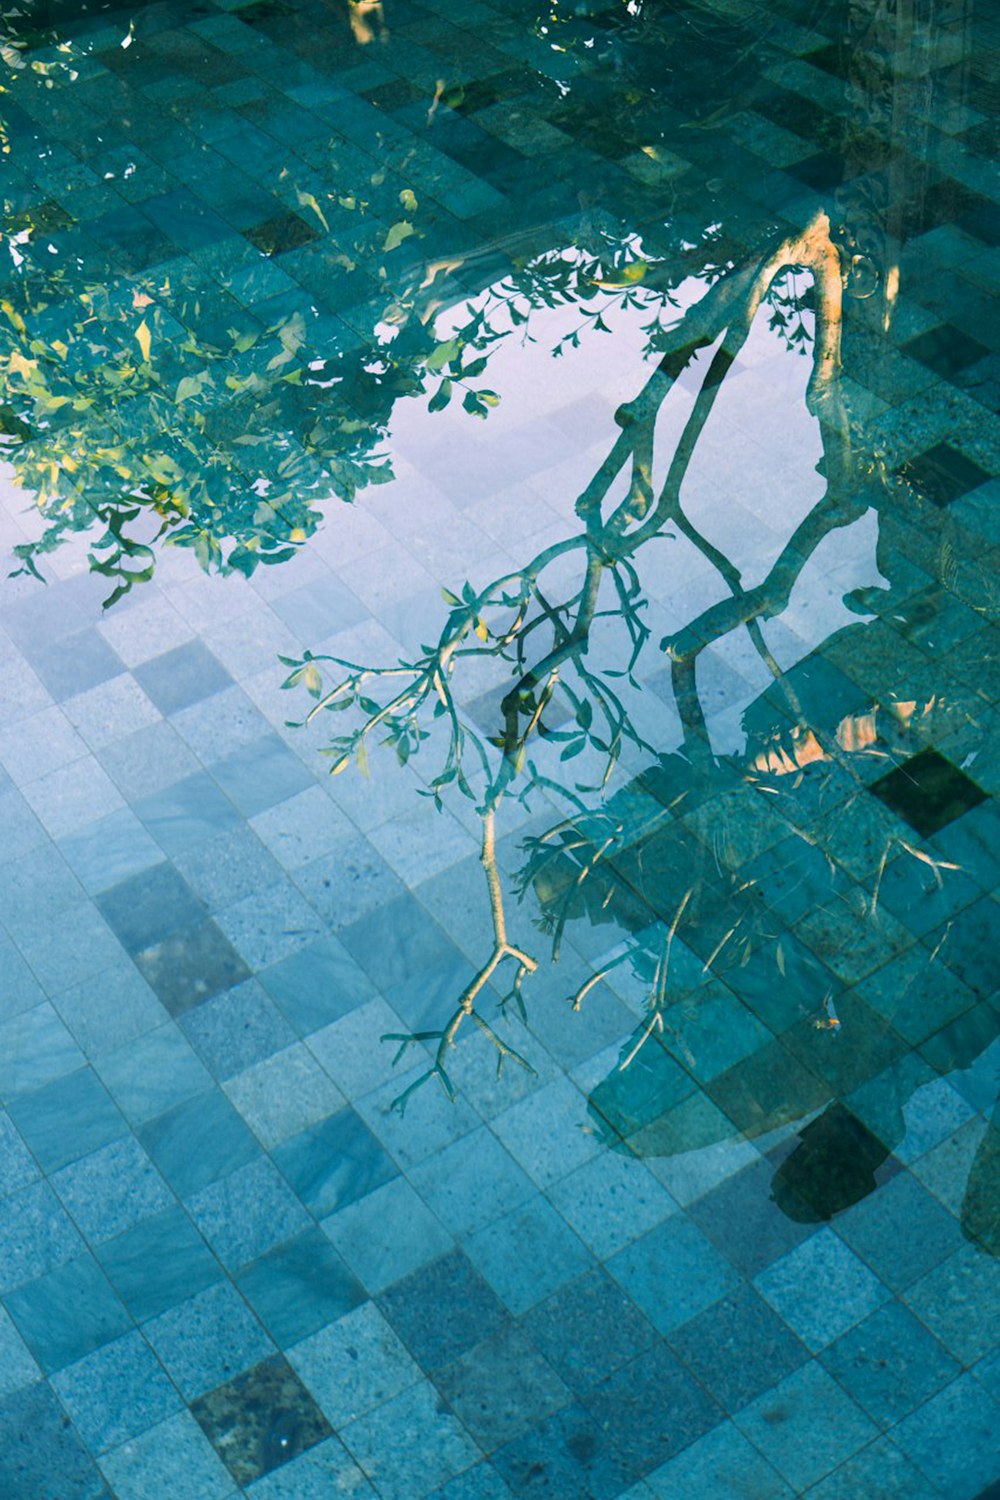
x,y
735,1230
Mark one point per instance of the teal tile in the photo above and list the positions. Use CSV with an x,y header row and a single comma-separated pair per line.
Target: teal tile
x,y
672,1273
206,1339
116,1393
805,1426
299,1287
158,1264
378,1259
889,1364
89,1313
173,1456
68,1119
821,1288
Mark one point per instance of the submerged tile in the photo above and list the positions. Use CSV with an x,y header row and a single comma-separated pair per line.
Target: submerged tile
x,y
928,791
160,1262
260,1420
299,1287
39,1445
189,967
89,1315
116,1393
173,1454
206,1339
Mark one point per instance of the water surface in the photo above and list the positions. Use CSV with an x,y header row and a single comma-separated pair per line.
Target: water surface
x,y
575,429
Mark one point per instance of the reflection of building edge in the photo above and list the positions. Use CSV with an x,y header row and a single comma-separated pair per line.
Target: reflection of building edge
x,y
901,59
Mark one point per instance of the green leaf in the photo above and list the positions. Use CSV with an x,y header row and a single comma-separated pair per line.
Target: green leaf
x,y
408,199
441,397
397,234
442,355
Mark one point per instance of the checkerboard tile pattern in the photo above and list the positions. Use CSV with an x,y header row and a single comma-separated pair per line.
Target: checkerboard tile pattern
x,y
268,1283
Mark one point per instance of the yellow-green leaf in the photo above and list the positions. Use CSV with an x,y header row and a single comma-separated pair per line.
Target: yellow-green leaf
x,y
397,234
144,339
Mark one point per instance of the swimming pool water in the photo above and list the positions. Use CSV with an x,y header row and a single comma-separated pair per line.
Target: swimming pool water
x,y
574,427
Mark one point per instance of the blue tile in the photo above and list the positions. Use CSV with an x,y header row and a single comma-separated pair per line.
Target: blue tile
x,y
234,1030
405,969
742,1219
381,1443
181,677
901,1231
656,1380
159,1263
110,1009
720,1463
261,1420
35,1049
821,1289
335,1163
37,1444
566,1456
299,1287
354,1365
317,985
36,1235
261,774
198,1142
481,1483
315,1475
471,1182
959,1301
953,1438
557,1255
87,945
318,610
227,867
152,1074
116,1393
150,906
738,1348
20,991
173,1458
378,1259
442,1310
17,1165
110,850
17,1368
207,1339
879,1472
889,1364
501,1387
589,1329
112,1189
183,816
672,1273
247,1213
805,1426
74,664
87,1313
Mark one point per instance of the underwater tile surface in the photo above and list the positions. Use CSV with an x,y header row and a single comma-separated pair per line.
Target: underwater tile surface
x,y
575,427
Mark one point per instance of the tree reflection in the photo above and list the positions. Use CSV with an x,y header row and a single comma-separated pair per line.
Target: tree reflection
x,y
663,859
143,404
